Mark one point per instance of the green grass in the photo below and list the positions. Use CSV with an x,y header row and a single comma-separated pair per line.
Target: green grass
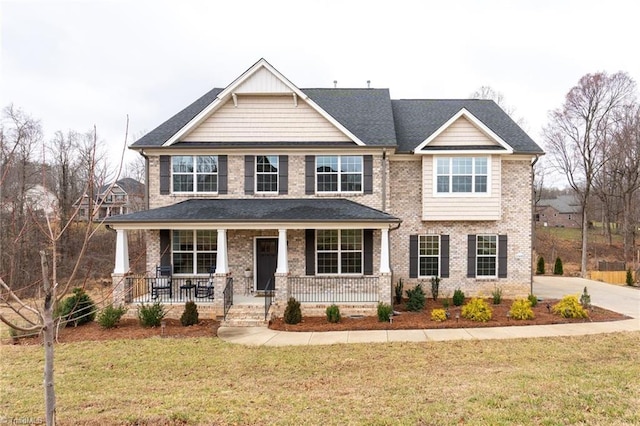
x,y
551,381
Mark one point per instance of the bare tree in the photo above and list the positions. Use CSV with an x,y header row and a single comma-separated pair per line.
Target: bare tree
x,y
488,92
577,133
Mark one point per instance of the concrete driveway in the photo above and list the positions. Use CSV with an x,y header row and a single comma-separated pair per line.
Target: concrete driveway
x,y
617,298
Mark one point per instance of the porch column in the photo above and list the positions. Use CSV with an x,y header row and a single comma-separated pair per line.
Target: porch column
x,y
384,251
122,252
222,260
283,260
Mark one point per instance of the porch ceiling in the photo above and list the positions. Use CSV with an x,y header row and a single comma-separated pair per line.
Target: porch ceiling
x,y
255,213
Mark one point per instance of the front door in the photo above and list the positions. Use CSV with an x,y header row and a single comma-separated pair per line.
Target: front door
x,y
266,262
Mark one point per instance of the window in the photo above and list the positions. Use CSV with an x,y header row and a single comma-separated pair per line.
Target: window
x,y
195,173
194,252
339,251
486,255
339,173
429,255
267,173
462,175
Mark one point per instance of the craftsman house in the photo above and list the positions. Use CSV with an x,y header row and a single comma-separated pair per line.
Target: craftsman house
x,y
121,197
328,196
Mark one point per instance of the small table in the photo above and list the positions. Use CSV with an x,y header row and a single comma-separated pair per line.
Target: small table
x,y
188,289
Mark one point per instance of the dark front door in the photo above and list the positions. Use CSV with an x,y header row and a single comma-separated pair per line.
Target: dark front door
x,y
266,262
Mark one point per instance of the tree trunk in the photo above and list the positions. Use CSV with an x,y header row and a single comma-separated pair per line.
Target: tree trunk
x,y
48,332
585,234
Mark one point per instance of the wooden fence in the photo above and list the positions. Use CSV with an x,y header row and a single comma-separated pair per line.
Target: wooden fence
x,y
611,277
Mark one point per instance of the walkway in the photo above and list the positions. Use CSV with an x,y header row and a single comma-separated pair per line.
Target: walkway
x,y
616,298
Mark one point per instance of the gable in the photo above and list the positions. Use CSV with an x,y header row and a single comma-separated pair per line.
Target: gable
x,y
462,133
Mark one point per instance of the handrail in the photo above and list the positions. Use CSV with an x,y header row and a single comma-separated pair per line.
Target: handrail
x,y
268,297
228,296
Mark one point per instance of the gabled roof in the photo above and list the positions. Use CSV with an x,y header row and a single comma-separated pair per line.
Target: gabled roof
x,y
562,203
129,185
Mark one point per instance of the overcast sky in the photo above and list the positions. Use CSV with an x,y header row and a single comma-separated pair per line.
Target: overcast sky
x,y
73,64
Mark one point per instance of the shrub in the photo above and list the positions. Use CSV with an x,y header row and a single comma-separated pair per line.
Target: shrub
x,y
569,307
496,295
292,313
190,314
333,314
110,316
557,268
521,309
629,279
458,297
438,315
77,309
477,310
151,315
445,303
384,312
435,287
416,299
585,299
533,299
398,290
540,266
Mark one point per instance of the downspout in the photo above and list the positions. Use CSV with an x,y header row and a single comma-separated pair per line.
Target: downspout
x,y
533,222
146,179
384,179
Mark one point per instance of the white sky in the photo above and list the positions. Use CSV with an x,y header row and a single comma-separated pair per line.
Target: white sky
x,y
73,64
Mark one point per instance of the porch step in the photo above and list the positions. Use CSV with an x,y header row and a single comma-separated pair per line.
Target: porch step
x,y
245,316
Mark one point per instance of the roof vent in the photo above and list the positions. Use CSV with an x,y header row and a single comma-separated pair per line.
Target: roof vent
x,y
335,84
368,84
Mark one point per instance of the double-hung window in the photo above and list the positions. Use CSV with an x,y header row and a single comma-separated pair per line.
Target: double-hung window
x,y
462,175
339,251
267,174
339,173
195,173
194,252
429,255
486,255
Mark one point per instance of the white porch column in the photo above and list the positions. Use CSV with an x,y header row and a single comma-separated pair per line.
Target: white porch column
x,y
283,258
122,252
222,260
384,251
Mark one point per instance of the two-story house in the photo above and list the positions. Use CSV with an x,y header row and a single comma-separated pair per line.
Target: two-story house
x,y
329,196
123,196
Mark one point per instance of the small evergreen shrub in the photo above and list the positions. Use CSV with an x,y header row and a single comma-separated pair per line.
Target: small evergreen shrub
x,y
533,299
557,268
521,310
438,315
292,313
477,310
333,314
110,316
629,278
435,287
446,303
569,307
384,312
399,288
496,295
77,309
190,314
151,315
585,299
416,298
458,297
540,266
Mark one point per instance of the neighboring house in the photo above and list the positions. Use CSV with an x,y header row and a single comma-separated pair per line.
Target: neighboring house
x,y
330,196
562,211
123,196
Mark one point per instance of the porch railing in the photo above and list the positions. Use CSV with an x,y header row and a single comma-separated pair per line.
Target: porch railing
x,y
138,289
268,297
228,296
334,289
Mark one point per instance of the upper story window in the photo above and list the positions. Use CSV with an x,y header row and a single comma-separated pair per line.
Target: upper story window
x,y
486,255
267,173
462,175
336,173
195,173
429,255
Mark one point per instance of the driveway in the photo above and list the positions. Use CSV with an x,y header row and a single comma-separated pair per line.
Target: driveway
x,y
622,299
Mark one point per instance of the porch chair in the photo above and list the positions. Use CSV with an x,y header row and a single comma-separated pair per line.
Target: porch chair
x,y
162,281
205,288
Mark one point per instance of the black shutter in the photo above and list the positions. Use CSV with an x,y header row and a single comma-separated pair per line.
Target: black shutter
x,y
165,174
367,240
165,247
310,251
249,173
309,174
502,256
367,165
283,174
471,256
413,256
222,174
444,256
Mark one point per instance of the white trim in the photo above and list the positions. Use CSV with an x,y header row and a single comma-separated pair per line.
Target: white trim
x,y
283,260
222,256
122,253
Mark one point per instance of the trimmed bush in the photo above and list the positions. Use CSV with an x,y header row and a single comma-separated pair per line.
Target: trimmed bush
x,y
416,298
435,287
540,266
384,312
292,313
569,307
77,309
190,314
496,295
533,299
629,278
477,310
398,290
110,316
438,315
557,267
521,310
151,315
333,314
458,297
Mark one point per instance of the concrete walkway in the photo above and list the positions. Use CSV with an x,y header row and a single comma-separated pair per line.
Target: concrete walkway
x,y
616,298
